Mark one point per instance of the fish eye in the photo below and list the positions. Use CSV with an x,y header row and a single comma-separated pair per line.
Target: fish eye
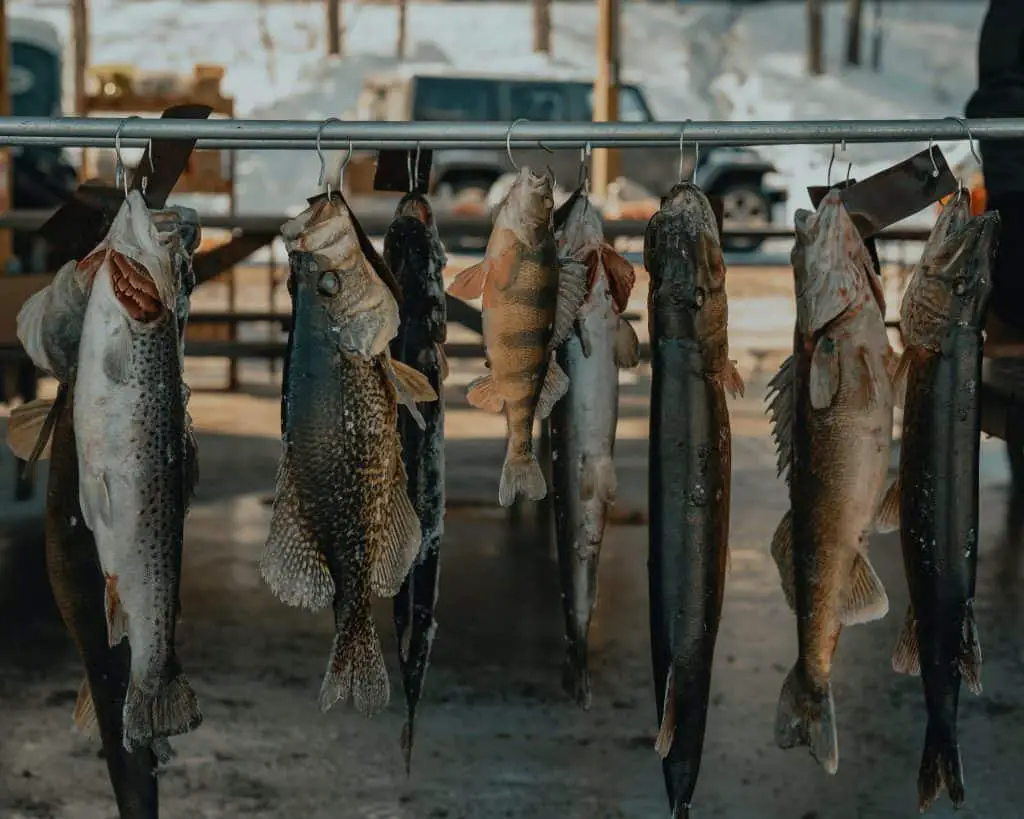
x,y
329,284
699,297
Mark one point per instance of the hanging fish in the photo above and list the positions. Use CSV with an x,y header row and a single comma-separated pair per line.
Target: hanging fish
x,y
529,307
414,253
831,410
935,497
136,472
583,423
342,524
690,473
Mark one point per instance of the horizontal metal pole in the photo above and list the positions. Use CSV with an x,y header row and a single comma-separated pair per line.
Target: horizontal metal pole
x,y
302,134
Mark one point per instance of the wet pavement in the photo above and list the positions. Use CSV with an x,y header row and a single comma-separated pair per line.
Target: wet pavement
x,y
496,736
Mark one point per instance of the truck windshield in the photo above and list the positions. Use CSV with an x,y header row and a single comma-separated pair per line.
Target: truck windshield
x,y
454,98
631,105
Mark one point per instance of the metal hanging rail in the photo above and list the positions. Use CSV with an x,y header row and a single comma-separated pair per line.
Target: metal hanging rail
x,y
336,134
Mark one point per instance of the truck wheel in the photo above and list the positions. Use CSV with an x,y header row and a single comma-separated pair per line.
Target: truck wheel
x,y
744,206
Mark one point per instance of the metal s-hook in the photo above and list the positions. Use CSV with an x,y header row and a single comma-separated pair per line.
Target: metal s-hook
x,y
970,136
508,141
682,152
413,170
931,156
120,172
320,155
828,173
583,177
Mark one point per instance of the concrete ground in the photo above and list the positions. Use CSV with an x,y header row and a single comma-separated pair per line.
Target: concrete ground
x,y
497,737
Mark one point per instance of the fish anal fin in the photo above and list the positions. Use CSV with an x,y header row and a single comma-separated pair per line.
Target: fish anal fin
x,y
888,517
25,425
731,380
900,375
86,722
482,394
292,564
667,729
117,355
969,661
780,412
627,346
865,599
556,385
905,657
117,617
469,283
824,380
621,275
356,667
400,541
782,554
442,361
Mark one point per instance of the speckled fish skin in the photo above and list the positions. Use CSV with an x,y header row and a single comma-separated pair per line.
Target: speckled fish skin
x,y
832,418
342,525
690,474
519,280
936,494
414,253
583,425
131,433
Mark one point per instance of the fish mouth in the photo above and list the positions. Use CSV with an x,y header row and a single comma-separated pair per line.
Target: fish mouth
x,y
415,206
134,288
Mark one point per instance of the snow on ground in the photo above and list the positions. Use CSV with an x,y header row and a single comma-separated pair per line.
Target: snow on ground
x,y
695,60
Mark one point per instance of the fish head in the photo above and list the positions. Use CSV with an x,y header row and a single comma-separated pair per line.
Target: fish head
x,y
49,323
578,226
137,258
683,255
832,267
342,292
416,256
931,302
528,206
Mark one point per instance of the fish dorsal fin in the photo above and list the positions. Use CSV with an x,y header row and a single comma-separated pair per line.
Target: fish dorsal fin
x,y
26,425
86,722
556,385
572,292
781,409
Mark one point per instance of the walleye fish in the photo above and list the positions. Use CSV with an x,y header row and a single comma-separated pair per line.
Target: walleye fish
x,y
832,422
935,497
414,253
583,424
342,523
529,307
690,473
135,470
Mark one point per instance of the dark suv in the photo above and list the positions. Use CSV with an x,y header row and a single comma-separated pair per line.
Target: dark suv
x,y
746,182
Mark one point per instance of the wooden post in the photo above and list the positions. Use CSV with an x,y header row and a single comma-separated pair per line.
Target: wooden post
x,y
403,8
334,28
815,36
6,247
606,94
542,26
854,13
80,56
876,37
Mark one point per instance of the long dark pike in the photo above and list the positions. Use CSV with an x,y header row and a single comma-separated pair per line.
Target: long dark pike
x,y
832,422
935,498
583,423
414,253
690,473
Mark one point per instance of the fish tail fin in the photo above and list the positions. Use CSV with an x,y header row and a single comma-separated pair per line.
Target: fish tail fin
x,y
521,475
970,652
576,674
356,668
170,710
941,768
806,716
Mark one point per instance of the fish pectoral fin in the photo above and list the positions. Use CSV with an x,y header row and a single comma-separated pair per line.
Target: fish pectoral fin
x,y
410,386
117,617
469,283
969,661
356,667
627,346
888,517
117,355
292,565
900,373
442,361
731,380
782,554
780,411
94,498
865,599
597,479
872,376
556,385
572,292
667,729
399,544
26,425
621,275
482,394
905,658
824,382
86,722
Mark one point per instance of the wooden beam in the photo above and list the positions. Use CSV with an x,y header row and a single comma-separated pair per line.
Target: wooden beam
x,y
6,172
335,36
542,26
80,53
606,162
403,9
